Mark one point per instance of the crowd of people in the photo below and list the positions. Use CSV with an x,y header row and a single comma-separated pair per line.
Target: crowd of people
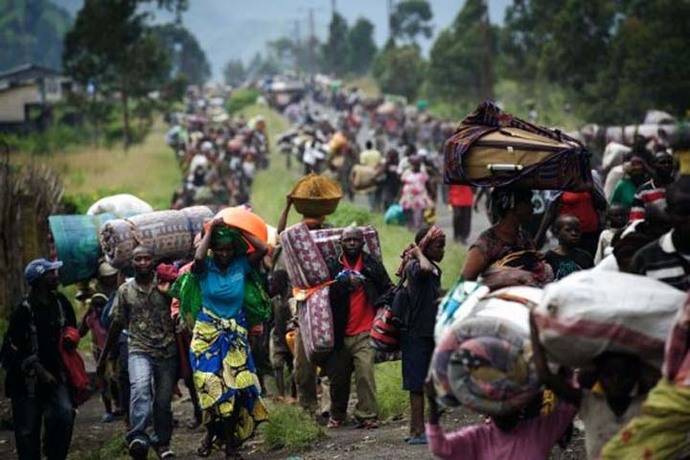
x,y
189,320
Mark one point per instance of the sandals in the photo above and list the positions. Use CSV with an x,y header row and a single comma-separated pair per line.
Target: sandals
x,y
333,423
368,424
204,450
417,440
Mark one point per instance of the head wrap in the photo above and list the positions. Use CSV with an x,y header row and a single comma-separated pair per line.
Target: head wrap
x,y
223,235
433,234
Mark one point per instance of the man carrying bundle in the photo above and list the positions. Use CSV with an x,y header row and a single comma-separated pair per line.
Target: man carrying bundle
x,y
360,280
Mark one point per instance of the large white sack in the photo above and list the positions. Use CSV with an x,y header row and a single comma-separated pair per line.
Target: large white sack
x,y
122,205
593,311
613,155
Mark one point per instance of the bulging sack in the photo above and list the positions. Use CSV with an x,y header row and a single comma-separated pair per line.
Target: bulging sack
x,y
484,359
594,311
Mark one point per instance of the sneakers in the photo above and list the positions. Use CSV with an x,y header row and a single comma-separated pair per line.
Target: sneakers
x,y
138,449
165,452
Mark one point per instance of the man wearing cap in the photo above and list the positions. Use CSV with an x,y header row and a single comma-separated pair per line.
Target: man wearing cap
x,y
144,310
31,356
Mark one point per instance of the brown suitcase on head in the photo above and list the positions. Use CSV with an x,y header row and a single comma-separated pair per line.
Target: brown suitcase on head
x,y
492,148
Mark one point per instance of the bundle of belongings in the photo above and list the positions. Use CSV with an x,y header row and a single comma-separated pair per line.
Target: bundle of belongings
x,y
591,312
169,233
492,148
661,430
306,253
483,359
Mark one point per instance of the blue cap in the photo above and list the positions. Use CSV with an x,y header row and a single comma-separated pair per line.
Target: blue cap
x,y
39,267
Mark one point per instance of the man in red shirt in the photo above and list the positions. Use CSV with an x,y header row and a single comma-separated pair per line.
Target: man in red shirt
x,y
359,281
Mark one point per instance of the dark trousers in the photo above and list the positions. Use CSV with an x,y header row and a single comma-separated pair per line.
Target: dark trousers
x,y
462,222
55,412
123,376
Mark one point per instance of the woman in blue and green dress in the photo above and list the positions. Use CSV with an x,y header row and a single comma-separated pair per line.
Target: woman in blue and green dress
x,y
224,372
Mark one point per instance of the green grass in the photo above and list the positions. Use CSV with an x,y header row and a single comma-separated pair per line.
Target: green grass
x,y
114,448
241,98
392,399
291,428
147,170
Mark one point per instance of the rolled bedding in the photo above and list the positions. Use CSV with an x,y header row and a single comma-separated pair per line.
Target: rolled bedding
x,y
484,359
169,233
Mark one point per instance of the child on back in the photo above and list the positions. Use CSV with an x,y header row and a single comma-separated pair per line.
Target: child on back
x,y
567,258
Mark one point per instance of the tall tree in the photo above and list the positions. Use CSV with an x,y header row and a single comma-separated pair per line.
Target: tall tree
x,y
111,46
188,59
361,46
335,51
399,70
234,72
410,19
31,31
647,64
460,68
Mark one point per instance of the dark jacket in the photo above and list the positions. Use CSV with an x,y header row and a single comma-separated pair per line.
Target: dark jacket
x,y
376,284
49,318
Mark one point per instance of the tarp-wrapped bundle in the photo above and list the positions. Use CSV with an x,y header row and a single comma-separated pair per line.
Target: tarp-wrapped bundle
x,y
594,311
492,148
308,272
484,359
327,241
122,205
76,243
169,233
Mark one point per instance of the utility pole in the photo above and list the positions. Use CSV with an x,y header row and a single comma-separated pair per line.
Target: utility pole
x,y
312,39
487,78
298,47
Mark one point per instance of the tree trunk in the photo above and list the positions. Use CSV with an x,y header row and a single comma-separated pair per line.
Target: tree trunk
x,y
125,119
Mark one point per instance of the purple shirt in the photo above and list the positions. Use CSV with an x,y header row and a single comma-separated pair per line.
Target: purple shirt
x,y
529,440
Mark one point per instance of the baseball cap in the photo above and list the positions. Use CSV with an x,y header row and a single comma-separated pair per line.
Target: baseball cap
x,y
105,269
38,267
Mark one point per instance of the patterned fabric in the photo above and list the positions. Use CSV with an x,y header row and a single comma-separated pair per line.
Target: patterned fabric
x,y
493,248
414,193
316,325
224,373
647,194
484,363
305,264
170,233
145,313
568,169
660,431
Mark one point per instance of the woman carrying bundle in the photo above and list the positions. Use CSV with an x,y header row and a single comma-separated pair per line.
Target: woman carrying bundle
x,y
224,372
512,209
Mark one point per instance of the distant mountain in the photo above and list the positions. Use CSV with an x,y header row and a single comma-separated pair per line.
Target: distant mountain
x,y
32,31
228,29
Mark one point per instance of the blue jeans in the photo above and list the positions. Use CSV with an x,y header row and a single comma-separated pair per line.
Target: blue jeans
x,y
151,387
55,411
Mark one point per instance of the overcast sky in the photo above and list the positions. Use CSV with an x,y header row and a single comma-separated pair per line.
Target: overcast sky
x,y
229,29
